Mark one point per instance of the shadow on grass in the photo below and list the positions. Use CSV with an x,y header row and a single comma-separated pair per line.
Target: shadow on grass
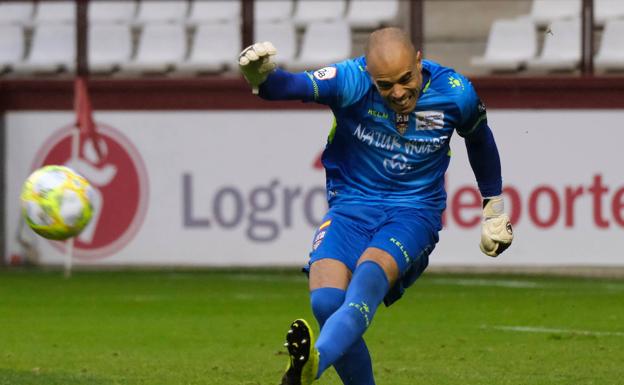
x,y
35,377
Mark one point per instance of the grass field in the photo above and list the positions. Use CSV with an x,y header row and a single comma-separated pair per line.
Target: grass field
x,y
227,328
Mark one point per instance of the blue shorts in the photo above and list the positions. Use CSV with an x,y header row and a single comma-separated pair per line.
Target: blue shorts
x,y
408,234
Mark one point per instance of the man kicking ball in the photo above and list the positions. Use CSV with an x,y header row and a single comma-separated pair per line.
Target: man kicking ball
x,y
385,161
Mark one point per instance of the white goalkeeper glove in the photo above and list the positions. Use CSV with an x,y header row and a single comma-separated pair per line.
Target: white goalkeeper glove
x,y
256,63
496,231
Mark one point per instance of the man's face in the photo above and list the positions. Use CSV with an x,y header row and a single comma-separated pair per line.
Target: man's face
x,y
398,78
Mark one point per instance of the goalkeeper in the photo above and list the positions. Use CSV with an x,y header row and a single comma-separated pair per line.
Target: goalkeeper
x,y
385,161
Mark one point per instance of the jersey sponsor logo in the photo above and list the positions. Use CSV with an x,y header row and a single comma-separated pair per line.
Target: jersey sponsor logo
x,y
378,114
429,120
377,139
398,165
455,82
325,73
397,143
425,145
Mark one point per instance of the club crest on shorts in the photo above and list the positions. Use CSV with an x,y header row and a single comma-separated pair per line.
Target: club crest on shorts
x,y
320,235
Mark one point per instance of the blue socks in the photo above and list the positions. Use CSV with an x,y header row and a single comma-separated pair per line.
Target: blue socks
x,y
344,328
355,367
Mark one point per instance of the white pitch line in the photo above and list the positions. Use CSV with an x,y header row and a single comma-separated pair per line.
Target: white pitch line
x,y
539,329
487,282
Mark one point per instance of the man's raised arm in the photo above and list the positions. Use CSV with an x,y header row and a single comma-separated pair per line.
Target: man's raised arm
x,y
269,82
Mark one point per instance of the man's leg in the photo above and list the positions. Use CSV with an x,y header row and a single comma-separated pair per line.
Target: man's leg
x,y
328,280
338,243
375,273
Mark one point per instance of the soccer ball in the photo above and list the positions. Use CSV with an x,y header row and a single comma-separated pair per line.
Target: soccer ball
x,y
56,202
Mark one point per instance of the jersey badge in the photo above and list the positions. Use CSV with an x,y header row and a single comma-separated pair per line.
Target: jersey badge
x,y
401,121
325,73
429,120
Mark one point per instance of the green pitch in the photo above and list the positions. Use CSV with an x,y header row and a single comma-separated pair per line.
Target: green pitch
x,y
227,328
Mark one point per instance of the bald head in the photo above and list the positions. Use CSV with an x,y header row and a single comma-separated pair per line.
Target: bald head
x,y
394,65
388,43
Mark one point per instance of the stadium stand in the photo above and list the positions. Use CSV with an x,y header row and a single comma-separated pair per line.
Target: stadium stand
x,y
311,11
214,11
55,11
544,12
161,11
52,50
18,13
610,55
511,43
161,46
210,55
283,35
323,43
11,46
110,46
370,14
608,9
562,47
273,10
106,11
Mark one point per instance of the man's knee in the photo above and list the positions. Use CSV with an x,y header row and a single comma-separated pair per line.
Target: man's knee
x,y
325,301
384,260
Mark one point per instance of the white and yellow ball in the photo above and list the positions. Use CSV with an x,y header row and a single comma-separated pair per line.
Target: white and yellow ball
x,y
56,202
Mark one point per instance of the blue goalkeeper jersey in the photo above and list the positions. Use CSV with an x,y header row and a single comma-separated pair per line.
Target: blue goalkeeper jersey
x,y
374,155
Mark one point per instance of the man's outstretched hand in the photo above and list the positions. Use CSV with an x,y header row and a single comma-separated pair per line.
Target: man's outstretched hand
x,y
496,231
256,63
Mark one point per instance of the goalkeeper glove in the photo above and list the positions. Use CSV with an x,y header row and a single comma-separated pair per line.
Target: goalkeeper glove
x,y
256,63
496,231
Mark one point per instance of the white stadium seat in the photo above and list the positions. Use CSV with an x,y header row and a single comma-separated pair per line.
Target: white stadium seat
x,y
283,35
372,13
562,47
208,54
53,49
165,10
110,46
111,11
511,43
161,47
273,10
544,12
610,55
324,43
215,11
310,11
11,46
607,9
18,12
56,11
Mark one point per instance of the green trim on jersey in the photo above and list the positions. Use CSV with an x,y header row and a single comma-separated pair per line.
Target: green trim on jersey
x,y
477,123
314,85
426,86
332,131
